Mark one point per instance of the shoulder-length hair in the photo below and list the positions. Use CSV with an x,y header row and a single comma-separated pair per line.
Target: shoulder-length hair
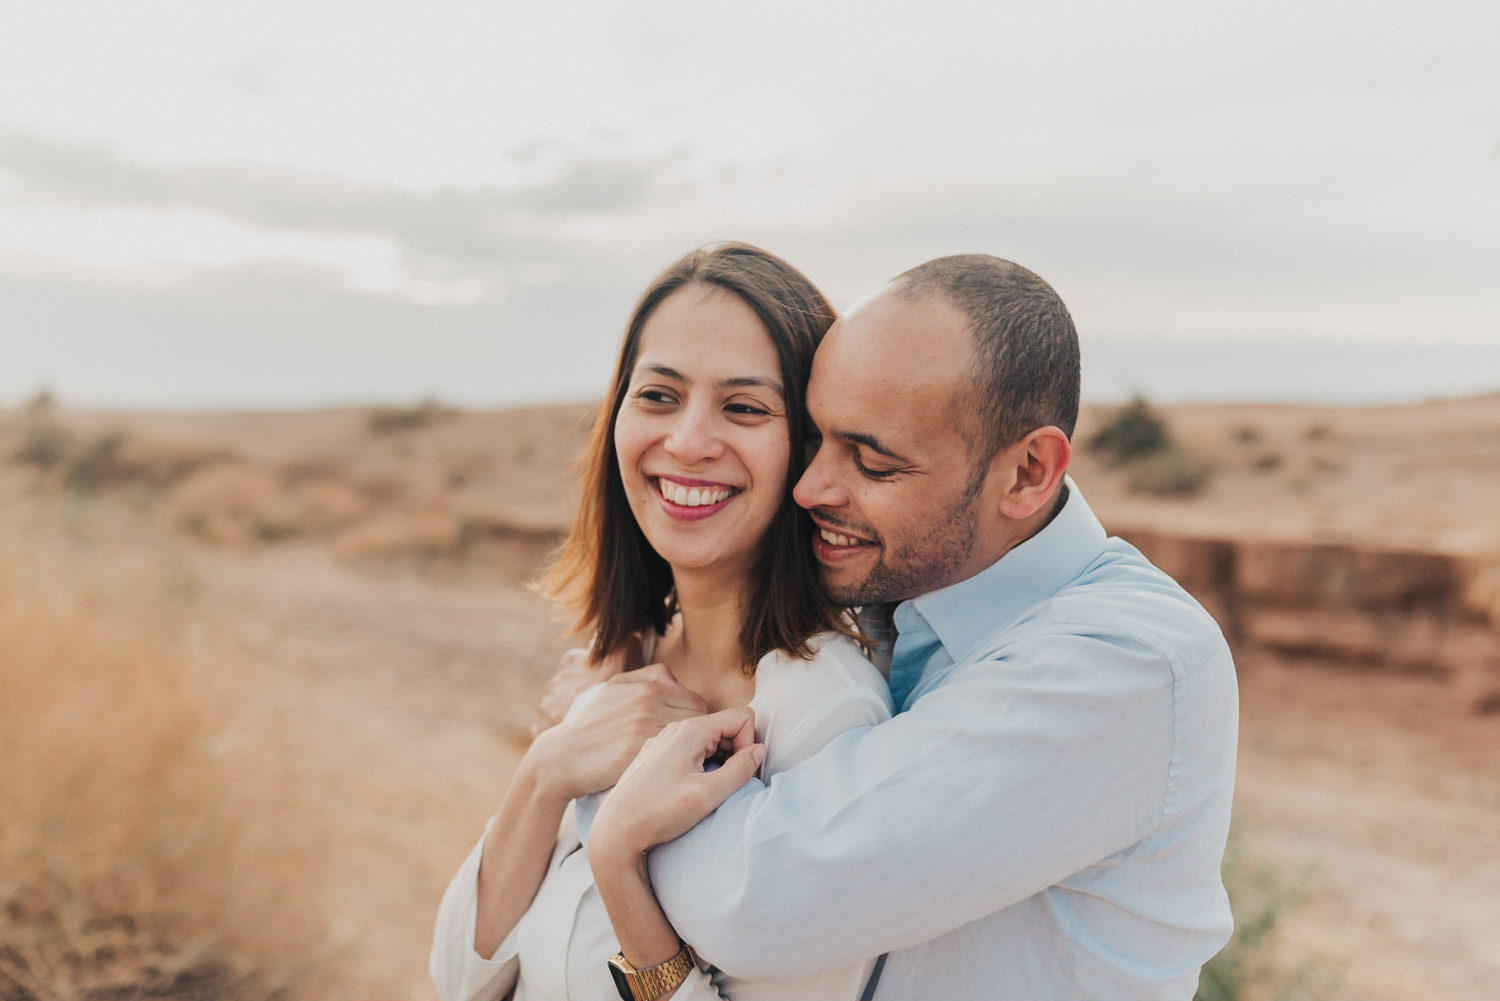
x,y
609,573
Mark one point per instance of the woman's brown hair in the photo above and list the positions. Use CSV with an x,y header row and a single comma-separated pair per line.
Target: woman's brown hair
x,y
607,570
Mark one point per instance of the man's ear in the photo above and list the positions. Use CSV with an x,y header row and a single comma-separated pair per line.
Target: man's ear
x,y
1037,463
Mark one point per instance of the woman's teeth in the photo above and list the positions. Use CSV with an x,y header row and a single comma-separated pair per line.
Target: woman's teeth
x,y
692,496
835,539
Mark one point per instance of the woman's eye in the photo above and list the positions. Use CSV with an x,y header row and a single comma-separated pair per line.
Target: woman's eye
x,y
746,409
655,396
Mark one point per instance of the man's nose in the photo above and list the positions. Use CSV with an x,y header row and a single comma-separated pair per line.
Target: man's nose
x,y
817,486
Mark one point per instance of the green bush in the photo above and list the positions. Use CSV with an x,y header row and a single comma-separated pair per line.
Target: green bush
x,y
1168,473
1247,967
95,461
385,420
1133,432
44,444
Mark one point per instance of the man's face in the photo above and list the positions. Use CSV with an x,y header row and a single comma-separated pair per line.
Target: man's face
x,y
890,490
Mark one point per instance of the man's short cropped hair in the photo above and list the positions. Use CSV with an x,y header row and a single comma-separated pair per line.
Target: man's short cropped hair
x,y
1025,371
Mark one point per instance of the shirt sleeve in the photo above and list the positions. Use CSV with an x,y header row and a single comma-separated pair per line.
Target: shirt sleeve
x,y
458,972
1044,757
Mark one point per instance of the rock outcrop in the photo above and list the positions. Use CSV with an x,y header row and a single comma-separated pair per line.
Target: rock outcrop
x,y
1373,607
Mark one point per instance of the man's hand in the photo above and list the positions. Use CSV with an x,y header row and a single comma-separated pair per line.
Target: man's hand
x,y
589,750
574,673
665,790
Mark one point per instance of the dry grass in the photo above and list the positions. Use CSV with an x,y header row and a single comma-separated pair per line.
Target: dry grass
x,y
145,849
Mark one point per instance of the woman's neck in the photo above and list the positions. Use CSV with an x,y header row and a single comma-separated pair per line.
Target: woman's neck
x,y
702,645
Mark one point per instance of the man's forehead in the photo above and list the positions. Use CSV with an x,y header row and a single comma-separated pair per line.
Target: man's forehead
x,y
891,339
884,375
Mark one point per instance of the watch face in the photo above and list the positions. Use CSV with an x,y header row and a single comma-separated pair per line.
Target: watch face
x,y
621,984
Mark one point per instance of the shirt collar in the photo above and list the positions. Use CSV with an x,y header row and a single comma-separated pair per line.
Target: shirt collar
x,y
963,614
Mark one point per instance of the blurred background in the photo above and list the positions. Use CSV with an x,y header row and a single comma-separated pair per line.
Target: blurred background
x,y
302,308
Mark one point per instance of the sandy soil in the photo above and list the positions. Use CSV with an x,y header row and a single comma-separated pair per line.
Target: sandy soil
x,y
407,681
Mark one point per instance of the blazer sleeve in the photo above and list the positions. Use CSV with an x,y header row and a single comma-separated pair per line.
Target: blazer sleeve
x,y
458,972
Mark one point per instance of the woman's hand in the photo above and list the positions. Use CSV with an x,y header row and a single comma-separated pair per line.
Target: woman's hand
x,y
589,751
666,790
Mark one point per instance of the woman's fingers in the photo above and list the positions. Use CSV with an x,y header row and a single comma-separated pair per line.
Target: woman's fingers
x,y
745,735
739,768
666,790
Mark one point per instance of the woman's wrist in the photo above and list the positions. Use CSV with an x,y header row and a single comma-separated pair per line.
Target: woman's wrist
x,y
543,769
646,937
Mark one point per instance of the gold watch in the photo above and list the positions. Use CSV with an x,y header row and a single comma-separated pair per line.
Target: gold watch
x,y
653,981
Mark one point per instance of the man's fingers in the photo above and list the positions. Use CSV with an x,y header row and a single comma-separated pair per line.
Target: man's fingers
x,y
685,700
659,673
665,687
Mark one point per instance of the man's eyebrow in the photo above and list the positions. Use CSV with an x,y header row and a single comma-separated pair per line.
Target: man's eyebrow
x,y
745,381
868,441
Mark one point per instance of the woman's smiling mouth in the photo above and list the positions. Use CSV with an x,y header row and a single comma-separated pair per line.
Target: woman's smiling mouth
x,y
692,501
697,496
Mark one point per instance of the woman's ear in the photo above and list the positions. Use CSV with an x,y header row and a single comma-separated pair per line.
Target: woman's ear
x,y
1038,462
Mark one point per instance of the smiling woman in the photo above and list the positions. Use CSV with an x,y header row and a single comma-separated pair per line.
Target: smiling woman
x,y
702,435
689,555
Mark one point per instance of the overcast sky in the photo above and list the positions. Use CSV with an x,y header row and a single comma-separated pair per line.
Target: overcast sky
x,y
278,203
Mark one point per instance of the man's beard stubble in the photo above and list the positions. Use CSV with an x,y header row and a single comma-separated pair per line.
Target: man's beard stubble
x,y
919,565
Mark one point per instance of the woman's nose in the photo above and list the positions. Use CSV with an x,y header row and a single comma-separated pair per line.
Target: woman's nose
x,y
694,437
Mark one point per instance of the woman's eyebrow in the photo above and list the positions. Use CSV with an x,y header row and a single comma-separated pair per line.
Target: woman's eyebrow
x,y
663,370
753,380
740,381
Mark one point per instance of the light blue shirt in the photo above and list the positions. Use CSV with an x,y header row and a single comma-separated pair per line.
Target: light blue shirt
x,y
1044,819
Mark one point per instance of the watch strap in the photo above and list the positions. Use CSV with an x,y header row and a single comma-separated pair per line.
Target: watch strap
x,y
654,981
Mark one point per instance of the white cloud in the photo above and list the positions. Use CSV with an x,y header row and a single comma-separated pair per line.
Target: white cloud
x,y
1175,168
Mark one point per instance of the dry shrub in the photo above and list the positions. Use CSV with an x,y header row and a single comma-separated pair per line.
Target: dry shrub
x,y
239,504
232,504
161,462
322,505
151,845
111,458
1266,462
419,535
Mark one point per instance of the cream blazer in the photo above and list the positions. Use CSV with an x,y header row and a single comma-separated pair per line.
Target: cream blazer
x,y
560,947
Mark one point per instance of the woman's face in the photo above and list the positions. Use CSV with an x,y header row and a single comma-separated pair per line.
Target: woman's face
x,y
701,436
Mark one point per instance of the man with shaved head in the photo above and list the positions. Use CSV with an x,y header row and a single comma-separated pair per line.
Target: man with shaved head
x,y
1045,815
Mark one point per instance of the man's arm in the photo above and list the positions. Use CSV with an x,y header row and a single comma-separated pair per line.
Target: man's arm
x,y
1015,774
574,674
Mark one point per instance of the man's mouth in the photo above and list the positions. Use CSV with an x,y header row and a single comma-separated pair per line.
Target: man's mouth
x,y
831,543
835,539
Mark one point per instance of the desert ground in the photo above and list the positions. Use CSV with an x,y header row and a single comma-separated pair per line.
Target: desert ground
x,y
266,674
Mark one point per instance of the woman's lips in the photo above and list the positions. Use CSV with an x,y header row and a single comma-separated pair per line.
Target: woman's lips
x,y
695,500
